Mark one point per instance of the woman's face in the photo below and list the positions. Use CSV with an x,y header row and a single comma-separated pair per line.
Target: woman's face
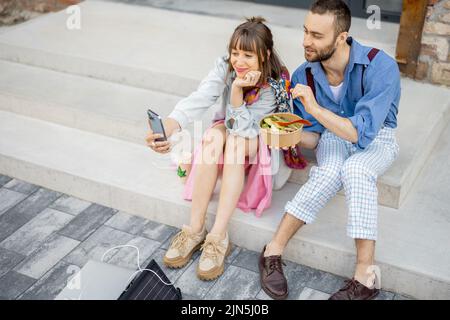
x,y
243,62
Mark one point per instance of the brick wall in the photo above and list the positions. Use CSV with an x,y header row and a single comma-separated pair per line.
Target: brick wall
x,y
434,59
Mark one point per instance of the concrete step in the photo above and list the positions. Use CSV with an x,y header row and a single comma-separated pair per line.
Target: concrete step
x,y
140,55
143,50
411,251
275,14
118,111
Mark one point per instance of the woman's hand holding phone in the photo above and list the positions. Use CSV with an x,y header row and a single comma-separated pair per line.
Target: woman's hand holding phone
x,y
162,146
157,146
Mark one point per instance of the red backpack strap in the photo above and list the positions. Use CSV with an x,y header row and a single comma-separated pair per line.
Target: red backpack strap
x,y
310,81
371,55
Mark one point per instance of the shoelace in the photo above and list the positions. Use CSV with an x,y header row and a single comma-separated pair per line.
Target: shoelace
x,y
180,240
211,250
350,284
275,264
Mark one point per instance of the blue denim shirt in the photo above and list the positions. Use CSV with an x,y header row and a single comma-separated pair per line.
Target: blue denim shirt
x,y
377,108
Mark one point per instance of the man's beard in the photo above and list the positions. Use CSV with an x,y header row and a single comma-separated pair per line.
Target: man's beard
x,y
323,55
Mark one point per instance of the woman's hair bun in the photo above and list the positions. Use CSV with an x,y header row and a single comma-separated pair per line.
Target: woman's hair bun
x,y
256,19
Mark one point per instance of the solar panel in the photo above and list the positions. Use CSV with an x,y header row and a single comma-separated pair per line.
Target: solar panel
x,y
148,286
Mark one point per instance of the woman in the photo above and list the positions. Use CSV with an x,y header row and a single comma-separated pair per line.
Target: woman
x,y
250,81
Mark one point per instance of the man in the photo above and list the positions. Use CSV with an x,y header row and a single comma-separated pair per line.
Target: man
x,y
350,93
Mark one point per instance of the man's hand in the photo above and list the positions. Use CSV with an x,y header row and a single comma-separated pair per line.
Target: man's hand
x,y
249,80
306,96
340,126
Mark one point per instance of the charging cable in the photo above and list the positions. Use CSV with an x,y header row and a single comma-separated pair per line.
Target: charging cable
x,y
138,263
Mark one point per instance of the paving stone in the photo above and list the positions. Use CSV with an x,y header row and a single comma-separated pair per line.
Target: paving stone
x,y
13,284
190,284
385,295
127,222
127,257
70,205
85,223
32,234
8,260
47,256
299,277
262,295
247,259
97,244
4,180
235,251
9,199
26,210
157,231
166,244
311,294
402,297
189,297
235,284
314,279
51,284
21,186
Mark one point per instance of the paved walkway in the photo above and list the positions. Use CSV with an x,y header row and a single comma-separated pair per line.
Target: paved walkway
x,y
43,232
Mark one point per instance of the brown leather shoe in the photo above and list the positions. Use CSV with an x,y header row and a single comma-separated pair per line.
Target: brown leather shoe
x,y
354,290
272,278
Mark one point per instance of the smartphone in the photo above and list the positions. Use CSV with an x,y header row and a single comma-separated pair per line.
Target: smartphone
x,y
156,125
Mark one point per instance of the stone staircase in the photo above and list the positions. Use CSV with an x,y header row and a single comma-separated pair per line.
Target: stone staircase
x,y
72,119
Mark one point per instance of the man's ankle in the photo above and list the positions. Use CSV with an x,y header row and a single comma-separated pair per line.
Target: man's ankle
x,y
273,249
364,276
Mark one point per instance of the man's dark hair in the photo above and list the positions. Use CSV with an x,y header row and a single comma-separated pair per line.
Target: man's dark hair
x,y
340,11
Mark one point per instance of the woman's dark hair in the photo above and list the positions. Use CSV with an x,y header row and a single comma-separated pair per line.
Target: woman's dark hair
x,y
253,35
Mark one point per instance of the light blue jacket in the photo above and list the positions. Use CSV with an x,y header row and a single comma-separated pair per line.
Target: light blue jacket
x,y
218,84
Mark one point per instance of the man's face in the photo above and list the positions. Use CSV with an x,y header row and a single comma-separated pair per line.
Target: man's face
x,y
319,39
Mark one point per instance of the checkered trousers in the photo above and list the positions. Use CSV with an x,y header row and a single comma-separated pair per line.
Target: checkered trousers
x,y
340,164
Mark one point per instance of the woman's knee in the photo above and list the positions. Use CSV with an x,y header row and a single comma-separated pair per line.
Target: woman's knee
x,y
251,148
213,144
235,148
215,136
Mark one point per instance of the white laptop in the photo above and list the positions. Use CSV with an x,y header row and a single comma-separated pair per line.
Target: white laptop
x,y
97,281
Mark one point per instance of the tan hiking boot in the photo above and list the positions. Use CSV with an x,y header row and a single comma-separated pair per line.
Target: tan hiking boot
x,y
212,260
183,246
